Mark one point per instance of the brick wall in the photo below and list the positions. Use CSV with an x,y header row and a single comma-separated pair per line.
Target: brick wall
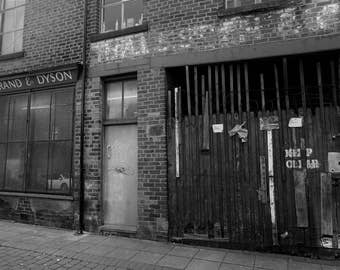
x,y
189,26
53,33
177,27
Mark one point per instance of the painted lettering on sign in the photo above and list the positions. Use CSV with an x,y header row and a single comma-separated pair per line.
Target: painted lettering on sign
x,y
39,80
293,162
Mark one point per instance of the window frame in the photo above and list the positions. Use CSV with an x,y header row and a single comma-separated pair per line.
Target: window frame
x,y
251,8
2,23
118,121
51,140
103,6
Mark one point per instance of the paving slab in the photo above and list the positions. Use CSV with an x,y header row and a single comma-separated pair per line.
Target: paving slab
x,y
244,259
184,251
210,255
174,262
196,264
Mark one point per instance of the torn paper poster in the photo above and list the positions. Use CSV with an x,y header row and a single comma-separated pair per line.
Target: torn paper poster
x,y
240,131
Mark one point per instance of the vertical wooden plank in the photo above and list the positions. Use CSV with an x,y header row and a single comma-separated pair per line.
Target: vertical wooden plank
x,y
203,92
321,98
285,82
333,79
300,198
264,208
206,126
238,179
277,88
326,205
196,90
263,100
169,107
188,89
181,160
272,186
217,90
177,94
231,80
246,79
222,167
239,95
254,178
210,90
230,195
246,190
303,87
215,180
224,91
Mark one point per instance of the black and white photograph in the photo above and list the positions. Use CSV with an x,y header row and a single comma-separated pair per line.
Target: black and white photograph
x,y
170,134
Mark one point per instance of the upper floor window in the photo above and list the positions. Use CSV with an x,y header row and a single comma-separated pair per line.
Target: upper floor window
x,y
121,14
11,25
240,3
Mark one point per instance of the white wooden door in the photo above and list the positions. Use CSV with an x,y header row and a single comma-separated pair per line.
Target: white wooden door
x,y
120,177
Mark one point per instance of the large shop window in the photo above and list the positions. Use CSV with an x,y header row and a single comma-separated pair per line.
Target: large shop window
x,y
121,14
36,142
11,25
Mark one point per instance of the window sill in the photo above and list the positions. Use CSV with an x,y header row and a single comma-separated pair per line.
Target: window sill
x,y
124,32
120,122
275,4
12,56
35,195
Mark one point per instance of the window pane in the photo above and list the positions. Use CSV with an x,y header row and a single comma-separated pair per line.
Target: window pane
x,y
40,116
62,116
59,179
114,100
3,118
18,40
130,99
112,18
19,20
10,3
133,13
20,2
2,163
18,118
38,166
7,43
15,166
10,21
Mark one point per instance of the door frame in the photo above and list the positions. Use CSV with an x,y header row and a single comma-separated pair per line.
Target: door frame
x,y
115,122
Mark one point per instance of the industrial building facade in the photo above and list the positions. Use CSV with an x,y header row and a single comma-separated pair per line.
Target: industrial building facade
x,y
201,121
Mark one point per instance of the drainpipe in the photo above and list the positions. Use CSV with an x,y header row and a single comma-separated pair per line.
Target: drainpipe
x,y
82,128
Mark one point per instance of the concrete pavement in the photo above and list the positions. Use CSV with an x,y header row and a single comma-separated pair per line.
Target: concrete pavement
x,y
32,247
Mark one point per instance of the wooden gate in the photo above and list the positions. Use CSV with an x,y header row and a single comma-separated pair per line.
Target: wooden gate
x,y
256,178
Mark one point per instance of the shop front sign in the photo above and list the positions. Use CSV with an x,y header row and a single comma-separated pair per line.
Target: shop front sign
x,y
41,79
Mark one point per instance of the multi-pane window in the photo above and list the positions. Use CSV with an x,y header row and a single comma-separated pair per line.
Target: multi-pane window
x,y
11,25
121,100
121,14
36,142
239,3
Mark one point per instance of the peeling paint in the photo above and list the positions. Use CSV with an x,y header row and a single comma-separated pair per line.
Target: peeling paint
x,y
295,22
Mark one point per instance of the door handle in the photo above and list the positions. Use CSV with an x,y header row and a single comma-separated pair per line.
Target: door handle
x,y
109,151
